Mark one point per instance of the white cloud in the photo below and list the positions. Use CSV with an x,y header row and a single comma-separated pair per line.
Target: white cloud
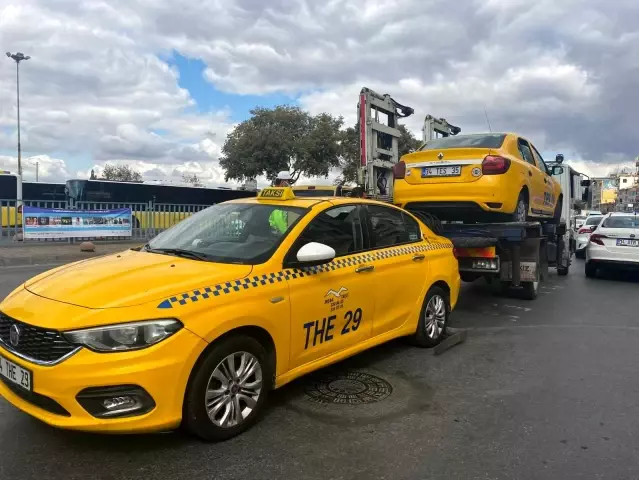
x,y
48,169
562,72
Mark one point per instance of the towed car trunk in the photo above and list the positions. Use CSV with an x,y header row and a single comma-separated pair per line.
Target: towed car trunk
x,y
425,167
130,278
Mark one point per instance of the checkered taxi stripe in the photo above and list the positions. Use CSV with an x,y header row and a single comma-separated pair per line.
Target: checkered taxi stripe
x,y
227,288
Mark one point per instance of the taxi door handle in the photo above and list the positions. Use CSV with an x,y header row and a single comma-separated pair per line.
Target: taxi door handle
x,y
530,173
365,268
418,258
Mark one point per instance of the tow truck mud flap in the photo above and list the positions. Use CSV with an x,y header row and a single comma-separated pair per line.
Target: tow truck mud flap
x,y
528,272
524,257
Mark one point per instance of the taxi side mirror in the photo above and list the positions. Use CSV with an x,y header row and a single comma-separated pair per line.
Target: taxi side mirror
x,y
315,253
556,170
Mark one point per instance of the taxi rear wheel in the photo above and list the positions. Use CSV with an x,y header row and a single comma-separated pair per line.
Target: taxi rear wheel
x,y
228,389
433,318
521,210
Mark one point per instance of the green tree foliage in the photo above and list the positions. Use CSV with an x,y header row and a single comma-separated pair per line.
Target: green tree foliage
x,y
407,141
282,138
120,173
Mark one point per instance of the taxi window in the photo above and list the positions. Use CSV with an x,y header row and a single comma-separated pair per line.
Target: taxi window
x,y
488,140
338,227
314,193
391,227
244,233
525,152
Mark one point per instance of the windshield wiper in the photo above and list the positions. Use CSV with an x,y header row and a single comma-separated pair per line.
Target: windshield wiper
x,y
180,252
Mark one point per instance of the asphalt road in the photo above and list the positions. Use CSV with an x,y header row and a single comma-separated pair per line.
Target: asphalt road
x,y
547,389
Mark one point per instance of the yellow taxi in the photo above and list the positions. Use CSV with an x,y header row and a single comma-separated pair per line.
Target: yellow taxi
x,y
196,326
479,177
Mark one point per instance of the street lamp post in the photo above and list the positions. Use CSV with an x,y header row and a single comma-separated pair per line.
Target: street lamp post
x,y
18,57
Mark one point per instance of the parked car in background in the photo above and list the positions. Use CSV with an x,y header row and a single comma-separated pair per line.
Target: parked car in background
x,y
613,243
583,234
579,221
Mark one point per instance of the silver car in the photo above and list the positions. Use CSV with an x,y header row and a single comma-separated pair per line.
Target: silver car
x,y
614,243
583,234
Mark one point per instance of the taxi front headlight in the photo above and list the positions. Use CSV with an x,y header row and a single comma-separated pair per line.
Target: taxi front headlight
x,y
124,336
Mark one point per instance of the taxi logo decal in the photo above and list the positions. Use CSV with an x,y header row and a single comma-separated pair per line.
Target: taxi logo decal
x,y
257,281
337,293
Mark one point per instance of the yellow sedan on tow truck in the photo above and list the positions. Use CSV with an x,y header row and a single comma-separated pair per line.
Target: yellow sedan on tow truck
x,y
479,177
198,325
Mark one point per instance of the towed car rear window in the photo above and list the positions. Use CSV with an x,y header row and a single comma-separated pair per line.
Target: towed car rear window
x,y
487,140
593,220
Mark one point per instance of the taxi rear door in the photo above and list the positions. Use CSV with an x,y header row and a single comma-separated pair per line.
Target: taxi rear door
x,y
332,305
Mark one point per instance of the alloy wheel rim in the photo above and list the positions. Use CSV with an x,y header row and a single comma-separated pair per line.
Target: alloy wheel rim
x,y
521,211
435,317
233,389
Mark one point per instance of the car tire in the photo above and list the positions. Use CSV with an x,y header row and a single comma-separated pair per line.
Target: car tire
x,y
522,206
227,399
433,318
590,270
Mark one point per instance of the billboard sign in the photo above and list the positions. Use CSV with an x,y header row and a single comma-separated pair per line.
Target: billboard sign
x,y
61,223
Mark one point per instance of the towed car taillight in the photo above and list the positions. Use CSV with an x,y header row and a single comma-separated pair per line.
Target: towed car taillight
x,y
399,170
495,165
597,238
584,230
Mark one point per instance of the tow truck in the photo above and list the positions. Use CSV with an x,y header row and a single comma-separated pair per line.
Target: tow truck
x,y
511,256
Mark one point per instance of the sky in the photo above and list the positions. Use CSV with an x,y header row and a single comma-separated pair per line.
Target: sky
x,y
159,84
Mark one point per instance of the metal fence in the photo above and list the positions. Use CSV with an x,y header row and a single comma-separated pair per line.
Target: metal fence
x,y
148,219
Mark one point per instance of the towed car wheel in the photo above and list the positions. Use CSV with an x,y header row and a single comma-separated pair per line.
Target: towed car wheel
x,y
228,389
521,212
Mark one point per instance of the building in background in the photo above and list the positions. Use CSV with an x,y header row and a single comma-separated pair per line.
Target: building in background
x,y
604,193
628,199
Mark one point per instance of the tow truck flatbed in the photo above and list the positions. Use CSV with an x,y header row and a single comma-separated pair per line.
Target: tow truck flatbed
x,y
512,254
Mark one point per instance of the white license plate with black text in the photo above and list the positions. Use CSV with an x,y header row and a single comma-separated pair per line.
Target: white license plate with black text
x,y
452,171
15,374
627,242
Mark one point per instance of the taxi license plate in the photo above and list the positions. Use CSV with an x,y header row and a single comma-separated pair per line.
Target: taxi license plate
x,y
626,242
453,171
16,374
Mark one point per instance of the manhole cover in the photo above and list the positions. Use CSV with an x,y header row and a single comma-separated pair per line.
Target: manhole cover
x,y
350,388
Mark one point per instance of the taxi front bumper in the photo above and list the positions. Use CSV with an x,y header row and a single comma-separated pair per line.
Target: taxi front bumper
x,y
159,373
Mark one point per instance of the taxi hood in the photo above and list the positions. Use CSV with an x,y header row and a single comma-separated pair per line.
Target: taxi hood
x,y
129,278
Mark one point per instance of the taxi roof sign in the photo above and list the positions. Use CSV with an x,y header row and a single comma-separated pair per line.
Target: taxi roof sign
x,y
276,193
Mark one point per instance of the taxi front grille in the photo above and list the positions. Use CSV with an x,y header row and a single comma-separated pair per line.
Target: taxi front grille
x,y
35,344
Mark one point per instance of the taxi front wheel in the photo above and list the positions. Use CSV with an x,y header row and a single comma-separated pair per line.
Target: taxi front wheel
x,y
433,318
228,389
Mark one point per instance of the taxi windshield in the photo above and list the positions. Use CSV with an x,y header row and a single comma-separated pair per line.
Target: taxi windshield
x,y
239,233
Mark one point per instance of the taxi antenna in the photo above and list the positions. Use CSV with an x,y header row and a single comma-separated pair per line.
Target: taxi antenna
x,y
488,121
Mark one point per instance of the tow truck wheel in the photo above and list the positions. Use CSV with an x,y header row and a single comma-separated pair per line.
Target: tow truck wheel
x,y
433,318
529,290
228,388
